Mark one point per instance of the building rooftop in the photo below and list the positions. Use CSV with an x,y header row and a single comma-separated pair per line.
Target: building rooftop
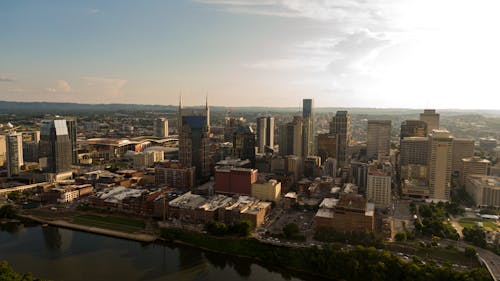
x,y
188,201
329,203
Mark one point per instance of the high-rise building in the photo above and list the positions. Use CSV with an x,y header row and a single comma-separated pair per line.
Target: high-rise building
x,y
55,146
14,145
160,127
230,124
340,127
3,150
378,138
244,144
30,145
462,148
413,128
307,128
378,188
359,175
194,141
431,118
327,146
440,164
473,166
414,166
265,133
485,190
290,136
72,126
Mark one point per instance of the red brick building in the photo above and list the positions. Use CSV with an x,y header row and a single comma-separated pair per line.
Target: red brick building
x,y
235,180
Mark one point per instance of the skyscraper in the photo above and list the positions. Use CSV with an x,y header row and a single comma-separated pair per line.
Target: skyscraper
x,y
160,127
230,124
431,118
244,144
413,128
55,151
462,148
290,136
14,147
340,127
440,164
265,133
71,124
327,146
307,128
378,138
194,141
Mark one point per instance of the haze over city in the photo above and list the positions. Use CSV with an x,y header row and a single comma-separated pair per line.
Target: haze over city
x,y
409,54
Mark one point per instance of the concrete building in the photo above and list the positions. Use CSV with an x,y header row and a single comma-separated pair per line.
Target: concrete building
x,y
307,128
174,174
244,144
485,190
462,148
359,175
230,124
71,124
414,152
160,127
290,138
340,127
431,118
473,166
235,180
267,190
330,167
351,213
14,149
194,140
3,150
55,147
265,133
440,163
488,144
378,188
413,128
378,138
327,146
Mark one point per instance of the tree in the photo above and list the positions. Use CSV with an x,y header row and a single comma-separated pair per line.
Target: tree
x,y
216,228
7,212
243,228
475,235
401,236
291,230
470,252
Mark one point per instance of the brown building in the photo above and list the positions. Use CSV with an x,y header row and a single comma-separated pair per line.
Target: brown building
x,y
174,174
327,146
413,128
235,180
351,213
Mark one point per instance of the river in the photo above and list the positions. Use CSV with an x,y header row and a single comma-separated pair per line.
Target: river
x,y
66,255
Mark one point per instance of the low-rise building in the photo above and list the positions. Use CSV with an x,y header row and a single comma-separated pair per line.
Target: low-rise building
x,y
351,213
174,174
267,190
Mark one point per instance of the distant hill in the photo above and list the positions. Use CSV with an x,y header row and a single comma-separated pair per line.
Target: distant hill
x,y
63,108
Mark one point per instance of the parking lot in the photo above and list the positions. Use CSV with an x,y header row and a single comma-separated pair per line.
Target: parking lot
x,y
302,218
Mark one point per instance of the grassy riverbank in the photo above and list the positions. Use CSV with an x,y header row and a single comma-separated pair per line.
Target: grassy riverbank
x,y
357,264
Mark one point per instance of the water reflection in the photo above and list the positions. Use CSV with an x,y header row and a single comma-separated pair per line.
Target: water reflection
x,y
52,238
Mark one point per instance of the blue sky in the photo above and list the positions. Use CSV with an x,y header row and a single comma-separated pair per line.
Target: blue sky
x,y
385,53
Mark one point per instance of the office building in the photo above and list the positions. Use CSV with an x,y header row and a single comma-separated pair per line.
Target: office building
x,y
55,146
265,133
359,175
14,149
72,132
485,190
473,166
307,128
174,174
413,128
267,190
235,180
290,136
414,157
441,143
3,150
160,127
378,188
462,148
327,146
378,138
194,140
244,144
350,213
488,144
340,127
230,124
431,118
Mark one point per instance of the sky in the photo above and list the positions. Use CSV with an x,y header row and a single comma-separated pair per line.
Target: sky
x,y
341,53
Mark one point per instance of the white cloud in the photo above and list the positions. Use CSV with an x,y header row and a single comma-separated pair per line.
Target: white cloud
x,y
92,11
60,86
107,86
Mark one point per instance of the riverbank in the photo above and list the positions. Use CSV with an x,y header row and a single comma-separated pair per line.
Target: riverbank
x,y
331,263
140,237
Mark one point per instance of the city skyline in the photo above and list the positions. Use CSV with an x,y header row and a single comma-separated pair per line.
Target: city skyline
x,y
406,54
